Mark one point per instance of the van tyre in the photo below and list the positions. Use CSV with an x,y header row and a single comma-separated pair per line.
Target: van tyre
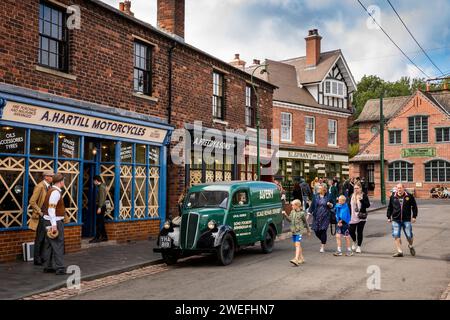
x,y
225,252
269,240
170,258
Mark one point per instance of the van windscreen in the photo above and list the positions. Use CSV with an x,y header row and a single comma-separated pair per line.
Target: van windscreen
x,y
213,199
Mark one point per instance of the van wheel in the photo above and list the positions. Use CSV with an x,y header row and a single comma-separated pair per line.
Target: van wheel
x,y
269,240
225,252
170,258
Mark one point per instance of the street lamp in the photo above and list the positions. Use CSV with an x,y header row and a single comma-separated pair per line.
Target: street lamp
x,y
382,181
258,160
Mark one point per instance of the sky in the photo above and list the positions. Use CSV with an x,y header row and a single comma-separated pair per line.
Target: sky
x,y
275,29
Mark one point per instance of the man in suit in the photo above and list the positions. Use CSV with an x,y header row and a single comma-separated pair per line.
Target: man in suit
x,y
100,210
37,221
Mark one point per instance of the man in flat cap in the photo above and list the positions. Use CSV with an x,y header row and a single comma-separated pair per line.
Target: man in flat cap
x,y
53,210
37,220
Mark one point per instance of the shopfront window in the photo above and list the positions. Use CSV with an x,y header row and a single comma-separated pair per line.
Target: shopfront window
x,y
41,143
12,140
68,146
12,173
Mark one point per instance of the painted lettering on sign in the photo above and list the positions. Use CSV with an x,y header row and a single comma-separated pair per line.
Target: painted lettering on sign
x,y
266,194
213,144
266,213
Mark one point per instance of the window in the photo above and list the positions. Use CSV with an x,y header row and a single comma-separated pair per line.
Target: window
x,y
249,109
418,129
12,140
218,100
286,126
332,132
68,146
142,68
395,137
335,88
437,171
400,171
442,134
41,143
310,129
240,198
53,48
374,129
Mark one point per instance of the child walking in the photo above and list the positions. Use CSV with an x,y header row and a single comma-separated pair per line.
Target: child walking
x,y
297,218
343,218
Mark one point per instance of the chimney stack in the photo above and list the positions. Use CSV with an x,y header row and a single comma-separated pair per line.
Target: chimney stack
x,y
256,61
313,48
237,62
427,87
125,7
170,16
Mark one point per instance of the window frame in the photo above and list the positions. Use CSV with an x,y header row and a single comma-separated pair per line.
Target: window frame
x,y
250,114
442,134
147,71
62,44
395,134
218,109
284,126
332,88
436,165
313,129
413,129
405,171
335,132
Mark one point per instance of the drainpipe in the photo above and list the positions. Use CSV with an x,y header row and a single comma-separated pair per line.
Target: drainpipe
x,y
169,120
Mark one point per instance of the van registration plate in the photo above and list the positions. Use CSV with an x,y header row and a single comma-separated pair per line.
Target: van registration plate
x,y
165,242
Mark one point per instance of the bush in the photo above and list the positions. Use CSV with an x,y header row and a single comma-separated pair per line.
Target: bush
x,y
353,150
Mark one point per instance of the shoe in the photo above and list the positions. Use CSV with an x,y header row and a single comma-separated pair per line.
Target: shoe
x,y
294,262
398,254
37,262
103,239
49,270
349,253
412,250
353,246
337,253
95,240
358,249
301,261
61,272
322,250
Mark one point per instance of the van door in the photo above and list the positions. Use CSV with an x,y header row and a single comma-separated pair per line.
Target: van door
x,y
242,217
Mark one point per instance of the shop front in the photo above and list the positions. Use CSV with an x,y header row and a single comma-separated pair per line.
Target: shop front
x,y
295,164
129,154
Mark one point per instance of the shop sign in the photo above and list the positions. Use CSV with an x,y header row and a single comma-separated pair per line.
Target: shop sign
x,y
419,152
30,114
312,156
68,147
208,143
251,150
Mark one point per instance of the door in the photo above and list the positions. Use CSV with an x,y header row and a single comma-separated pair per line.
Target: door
x,y
244,223
88,228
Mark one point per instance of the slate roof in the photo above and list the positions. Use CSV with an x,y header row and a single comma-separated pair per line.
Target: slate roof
x,y
371,110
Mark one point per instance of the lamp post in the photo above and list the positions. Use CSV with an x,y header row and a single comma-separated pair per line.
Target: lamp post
x,y
258,156
383,187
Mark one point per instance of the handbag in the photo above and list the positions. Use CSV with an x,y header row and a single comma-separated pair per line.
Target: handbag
x,y
362,215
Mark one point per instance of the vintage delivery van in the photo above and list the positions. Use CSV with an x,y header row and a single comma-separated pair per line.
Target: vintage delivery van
x,y
222,217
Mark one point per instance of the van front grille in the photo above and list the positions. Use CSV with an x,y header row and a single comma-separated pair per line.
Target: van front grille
x,y
189,224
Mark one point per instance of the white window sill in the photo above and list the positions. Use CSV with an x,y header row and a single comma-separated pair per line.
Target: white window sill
x,y
144,96
333,146
56,73
251,129
311,143
286,141
225,123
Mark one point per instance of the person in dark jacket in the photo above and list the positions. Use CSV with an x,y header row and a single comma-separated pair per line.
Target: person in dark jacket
x,y
297,192
321,209
306,193
402,211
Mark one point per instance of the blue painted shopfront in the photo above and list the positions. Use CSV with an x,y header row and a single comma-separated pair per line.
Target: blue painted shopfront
x,y
134,170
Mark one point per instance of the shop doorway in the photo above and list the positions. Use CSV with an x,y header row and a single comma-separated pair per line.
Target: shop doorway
x,y
89,171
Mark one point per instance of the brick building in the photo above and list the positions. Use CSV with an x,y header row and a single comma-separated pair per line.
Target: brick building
x,y
311,110
416,143
103,99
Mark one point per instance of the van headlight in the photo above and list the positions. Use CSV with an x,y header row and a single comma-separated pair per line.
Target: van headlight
x,y
167,225
211,225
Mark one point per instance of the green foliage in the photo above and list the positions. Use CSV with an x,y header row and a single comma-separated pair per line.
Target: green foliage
x,y
353,149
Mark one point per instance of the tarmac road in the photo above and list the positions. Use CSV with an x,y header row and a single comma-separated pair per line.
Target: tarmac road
x,y
254,275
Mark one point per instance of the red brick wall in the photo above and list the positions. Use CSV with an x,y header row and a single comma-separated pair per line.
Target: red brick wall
x,y
364,132
321,135
11,242
419,105
132,230
171,16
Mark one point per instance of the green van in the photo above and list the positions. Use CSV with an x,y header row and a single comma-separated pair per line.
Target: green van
x,y
222,217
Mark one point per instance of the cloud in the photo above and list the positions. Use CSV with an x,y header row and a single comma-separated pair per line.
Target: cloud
x,y
275,29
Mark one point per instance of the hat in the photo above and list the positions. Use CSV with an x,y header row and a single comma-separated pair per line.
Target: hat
x,y
58,178
48,173
52,234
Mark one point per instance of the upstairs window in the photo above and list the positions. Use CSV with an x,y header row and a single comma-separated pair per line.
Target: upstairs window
x,y
335,88
142,68
442,134
418,129
286,126
53,48
249,108
395,137
310,129
218,96
332,132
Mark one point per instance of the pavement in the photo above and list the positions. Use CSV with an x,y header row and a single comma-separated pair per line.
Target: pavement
x,y
21,279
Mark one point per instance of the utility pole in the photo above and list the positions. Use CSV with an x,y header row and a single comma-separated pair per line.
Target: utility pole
x,y
383,187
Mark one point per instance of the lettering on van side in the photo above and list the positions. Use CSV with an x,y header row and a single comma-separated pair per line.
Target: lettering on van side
x,y
266,194
242,215
265,213
239,225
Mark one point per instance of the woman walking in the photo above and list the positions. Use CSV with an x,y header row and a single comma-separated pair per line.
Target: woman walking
x,y
320,209
359,203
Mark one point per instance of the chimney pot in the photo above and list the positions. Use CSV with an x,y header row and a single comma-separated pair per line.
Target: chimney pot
x,y
127,7
236,56
122,6
256,61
